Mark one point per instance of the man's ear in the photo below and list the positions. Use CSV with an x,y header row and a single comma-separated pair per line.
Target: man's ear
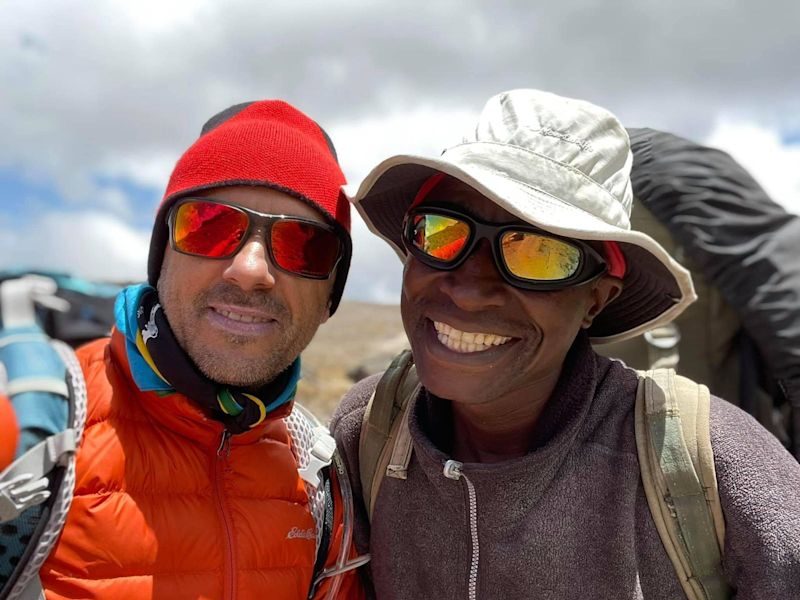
x,y
332,278
327,314
604,292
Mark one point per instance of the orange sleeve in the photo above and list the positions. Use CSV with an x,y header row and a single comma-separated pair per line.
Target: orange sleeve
x,y
9,432
351,586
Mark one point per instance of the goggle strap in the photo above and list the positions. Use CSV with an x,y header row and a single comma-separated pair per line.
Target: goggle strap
x,y
426,188
615,259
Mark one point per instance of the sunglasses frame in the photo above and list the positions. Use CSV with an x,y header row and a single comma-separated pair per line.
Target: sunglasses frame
x,y
592,264
256,219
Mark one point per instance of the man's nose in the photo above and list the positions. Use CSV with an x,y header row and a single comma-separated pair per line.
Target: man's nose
x,y
250,267
476,284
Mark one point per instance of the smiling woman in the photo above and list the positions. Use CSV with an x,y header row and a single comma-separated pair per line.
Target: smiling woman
x,y
503,429
451,313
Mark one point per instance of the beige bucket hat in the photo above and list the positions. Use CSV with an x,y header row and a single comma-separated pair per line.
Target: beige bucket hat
x,y
562,165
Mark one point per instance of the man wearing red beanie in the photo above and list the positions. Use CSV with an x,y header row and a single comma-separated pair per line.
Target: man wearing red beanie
x,y
191,481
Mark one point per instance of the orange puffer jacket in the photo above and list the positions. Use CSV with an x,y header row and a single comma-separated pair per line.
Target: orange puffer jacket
x,y
161,511
9,432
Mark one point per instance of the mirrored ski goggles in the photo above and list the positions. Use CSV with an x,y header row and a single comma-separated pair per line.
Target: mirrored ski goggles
x,y
215,229
526,257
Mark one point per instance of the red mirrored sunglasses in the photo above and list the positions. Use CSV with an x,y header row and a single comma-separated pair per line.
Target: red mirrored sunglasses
x,y
216,229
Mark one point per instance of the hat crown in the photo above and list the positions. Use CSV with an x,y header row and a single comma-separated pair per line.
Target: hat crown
x,y
576,134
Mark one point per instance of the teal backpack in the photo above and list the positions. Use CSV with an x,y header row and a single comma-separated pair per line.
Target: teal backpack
x,y
44,382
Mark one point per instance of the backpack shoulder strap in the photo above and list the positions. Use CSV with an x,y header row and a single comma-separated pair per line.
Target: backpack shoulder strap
x,y
677,467
325,475
313,448
385,443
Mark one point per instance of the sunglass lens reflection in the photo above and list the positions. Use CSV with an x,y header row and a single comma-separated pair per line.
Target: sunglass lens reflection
x,y
539,258
438,236
208,229
304,249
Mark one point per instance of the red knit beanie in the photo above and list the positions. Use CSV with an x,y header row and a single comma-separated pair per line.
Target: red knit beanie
x,y
270,144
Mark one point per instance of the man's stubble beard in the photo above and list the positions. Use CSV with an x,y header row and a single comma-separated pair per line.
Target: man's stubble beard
x,y
218,365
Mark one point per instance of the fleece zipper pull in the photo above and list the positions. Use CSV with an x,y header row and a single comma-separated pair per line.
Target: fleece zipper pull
x,y
455,470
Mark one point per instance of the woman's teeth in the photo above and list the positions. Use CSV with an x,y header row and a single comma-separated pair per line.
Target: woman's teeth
x,y
462,341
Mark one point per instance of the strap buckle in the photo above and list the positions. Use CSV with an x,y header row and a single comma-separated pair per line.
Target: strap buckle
x,y
20,493
25,482
320,455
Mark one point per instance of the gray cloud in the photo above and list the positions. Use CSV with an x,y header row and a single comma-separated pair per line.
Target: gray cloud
x,y
92,90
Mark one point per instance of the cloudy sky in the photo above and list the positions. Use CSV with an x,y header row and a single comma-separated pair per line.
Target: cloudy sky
x,y
98,99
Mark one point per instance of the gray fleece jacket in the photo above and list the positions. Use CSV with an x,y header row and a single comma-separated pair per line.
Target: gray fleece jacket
x,y
570,519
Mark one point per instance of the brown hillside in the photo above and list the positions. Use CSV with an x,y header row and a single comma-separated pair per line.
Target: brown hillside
x,y
360,336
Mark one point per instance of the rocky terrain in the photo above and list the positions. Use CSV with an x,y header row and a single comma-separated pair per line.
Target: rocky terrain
x,y
358,340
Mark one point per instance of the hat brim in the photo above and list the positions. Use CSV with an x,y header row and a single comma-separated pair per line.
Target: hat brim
x,y
656,289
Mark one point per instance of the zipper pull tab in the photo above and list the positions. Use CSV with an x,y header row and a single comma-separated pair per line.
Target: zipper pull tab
x,y
453,469
224,449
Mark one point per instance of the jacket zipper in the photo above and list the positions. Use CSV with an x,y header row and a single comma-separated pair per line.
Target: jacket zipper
x,y
454,470
229,574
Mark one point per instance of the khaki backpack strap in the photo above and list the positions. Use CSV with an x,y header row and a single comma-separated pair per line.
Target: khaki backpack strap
x,y
677,467
384,438
397,453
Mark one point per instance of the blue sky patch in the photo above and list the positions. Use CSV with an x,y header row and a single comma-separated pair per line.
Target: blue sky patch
x,y
791,138
142,201
20,198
